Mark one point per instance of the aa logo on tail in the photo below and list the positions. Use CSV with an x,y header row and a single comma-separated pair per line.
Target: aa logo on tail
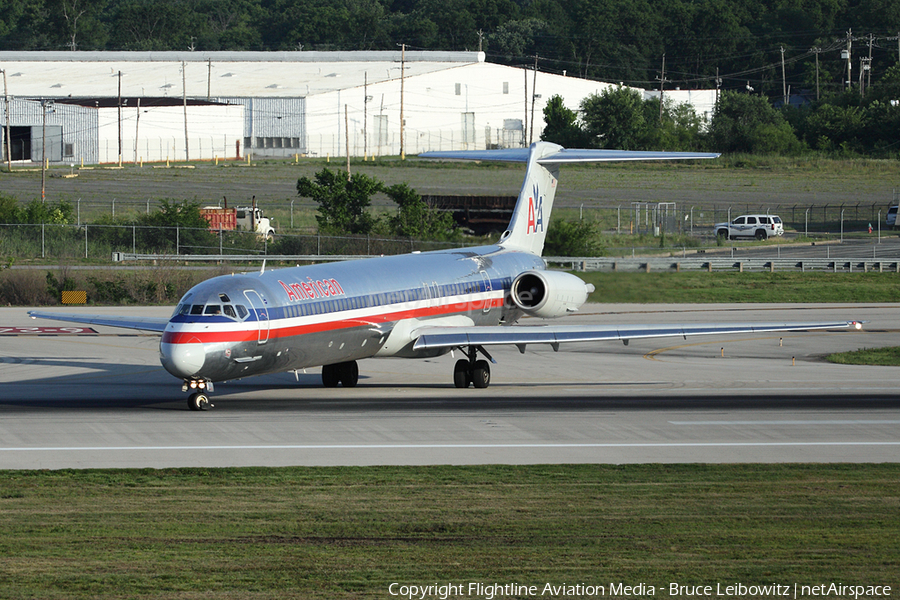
x,y
535,213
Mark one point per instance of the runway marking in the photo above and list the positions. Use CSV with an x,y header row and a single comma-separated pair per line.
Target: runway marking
x,y
448,446
827,422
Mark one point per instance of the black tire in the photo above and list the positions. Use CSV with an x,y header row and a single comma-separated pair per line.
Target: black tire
x,y
761,234
330,375
348,373
461,378
722,233
198,401
481,374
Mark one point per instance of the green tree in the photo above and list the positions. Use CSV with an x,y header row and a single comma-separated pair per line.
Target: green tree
x,y
748,123
614,118
176,226
9,209
415,218
571,238
561,125
342,203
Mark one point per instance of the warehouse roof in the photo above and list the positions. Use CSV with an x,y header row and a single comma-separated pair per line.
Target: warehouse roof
x,y
214,74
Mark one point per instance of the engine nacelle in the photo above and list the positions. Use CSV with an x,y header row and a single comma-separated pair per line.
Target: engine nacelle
x,y
549,294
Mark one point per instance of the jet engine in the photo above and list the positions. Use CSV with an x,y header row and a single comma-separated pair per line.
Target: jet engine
x,y
549,294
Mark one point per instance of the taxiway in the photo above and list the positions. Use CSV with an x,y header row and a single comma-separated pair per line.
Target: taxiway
x,y
103,400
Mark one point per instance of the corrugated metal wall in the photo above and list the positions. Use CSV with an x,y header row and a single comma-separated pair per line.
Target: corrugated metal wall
x,y
273,126
78,142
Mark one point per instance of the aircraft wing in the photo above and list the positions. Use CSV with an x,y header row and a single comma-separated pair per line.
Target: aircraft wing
x,y
520,335
155,324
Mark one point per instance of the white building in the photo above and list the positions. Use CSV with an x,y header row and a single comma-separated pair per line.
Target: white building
x,y
272,103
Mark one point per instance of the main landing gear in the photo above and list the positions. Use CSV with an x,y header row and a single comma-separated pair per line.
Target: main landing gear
x,y
472,370
345,373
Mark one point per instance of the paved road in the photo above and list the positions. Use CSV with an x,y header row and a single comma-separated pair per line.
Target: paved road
x,y
104,401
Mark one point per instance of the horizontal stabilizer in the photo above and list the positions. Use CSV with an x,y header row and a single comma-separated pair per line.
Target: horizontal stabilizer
x,y
565,155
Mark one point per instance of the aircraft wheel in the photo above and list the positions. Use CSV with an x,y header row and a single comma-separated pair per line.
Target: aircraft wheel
x,y
461,377
349,373
481,374
198,401
330,375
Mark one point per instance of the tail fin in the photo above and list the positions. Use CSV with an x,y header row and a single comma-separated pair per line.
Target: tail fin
x,y
528,226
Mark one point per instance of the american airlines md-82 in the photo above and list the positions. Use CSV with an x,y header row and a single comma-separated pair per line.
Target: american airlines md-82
x,y
413,306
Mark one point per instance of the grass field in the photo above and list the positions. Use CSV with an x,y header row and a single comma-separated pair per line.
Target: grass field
x,y
742,287
351,532
744,182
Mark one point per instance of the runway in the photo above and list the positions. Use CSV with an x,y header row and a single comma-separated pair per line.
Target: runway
x,y
103,400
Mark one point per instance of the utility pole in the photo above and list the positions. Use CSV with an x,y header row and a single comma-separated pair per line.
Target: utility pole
x,y
187,153
137,124
662,85
208,79
817,50
846,54
45,105
365,116
525,130
533,96
402,80
783,79
8,137
718,86
869,62
119,110
347,138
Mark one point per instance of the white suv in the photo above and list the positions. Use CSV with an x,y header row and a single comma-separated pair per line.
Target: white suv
x,y
761,227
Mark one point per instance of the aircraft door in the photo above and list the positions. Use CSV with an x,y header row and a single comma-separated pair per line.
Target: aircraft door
x,y
262,314
487,288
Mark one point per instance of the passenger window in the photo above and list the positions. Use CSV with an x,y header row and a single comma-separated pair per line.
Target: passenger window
x,y
229,311
751,220
197,309
242,311
213,309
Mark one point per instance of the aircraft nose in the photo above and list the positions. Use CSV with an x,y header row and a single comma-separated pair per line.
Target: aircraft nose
x,y
184,359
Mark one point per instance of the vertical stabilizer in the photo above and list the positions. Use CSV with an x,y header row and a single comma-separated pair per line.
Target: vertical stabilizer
x,y
531,216
528,227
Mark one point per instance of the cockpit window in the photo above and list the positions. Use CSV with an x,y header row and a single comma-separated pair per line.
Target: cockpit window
x,y
197,309
229,311
213,309
242,311
224,298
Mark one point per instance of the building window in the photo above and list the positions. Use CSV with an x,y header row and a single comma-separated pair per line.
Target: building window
x,y
505,87
68,150
458,89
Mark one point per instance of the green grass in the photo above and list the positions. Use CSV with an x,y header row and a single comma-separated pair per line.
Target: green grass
x,y
887,357
350,532
742,287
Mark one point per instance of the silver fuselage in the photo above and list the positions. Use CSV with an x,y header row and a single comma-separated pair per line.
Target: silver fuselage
x,y
286,319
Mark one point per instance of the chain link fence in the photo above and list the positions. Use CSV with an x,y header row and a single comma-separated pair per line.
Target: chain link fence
x,y
101,241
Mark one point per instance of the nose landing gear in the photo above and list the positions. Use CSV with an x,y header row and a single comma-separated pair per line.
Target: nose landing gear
x,y
199,399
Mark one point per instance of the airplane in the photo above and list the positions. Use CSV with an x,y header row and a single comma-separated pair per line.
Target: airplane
x,y
417,305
